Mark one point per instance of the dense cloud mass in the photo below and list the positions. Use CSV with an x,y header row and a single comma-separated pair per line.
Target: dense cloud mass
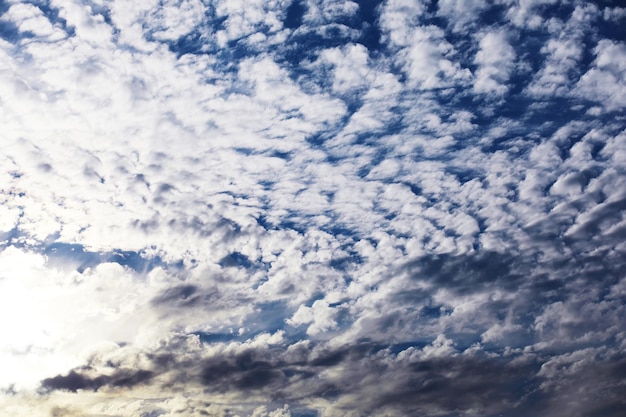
x,y
312,208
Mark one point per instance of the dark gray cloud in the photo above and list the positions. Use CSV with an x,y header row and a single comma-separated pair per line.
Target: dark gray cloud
x,y
74,381
367,377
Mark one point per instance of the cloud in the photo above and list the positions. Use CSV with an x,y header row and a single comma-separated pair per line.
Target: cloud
x,y
425,58
604,82
29,19
435,379
526,13
462,14
496,60
311,208
75,381
564,52
243,19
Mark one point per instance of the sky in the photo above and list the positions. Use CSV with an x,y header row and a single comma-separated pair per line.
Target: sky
x,y
312,208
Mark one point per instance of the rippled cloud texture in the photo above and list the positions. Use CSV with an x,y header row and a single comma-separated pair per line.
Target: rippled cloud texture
x,y
312,208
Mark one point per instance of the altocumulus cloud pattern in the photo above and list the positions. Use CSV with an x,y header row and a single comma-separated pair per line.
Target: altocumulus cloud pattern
x,y
305,208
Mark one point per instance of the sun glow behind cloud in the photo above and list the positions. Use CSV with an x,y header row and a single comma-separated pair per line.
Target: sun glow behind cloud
x,y
316,207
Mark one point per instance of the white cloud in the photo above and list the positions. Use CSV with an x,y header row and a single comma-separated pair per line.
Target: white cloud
x,y
29,18
461,13
525,13
604,82
175,18
351,67
243,18
496,61
320,315
398,17
614,14
563,53
318,11
427,64
58,316
89,27
269,222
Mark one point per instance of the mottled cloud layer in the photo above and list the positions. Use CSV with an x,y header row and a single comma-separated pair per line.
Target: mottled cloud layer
x,y
312,208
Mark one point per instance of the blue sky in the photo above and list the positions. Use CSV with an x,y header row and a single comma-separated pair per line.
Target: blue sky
x,y
312,208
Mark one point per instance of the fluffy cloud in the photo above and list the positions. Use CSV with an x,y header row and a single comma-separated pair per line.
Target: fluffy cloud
x,y
564,51
604,82
311,208
496,60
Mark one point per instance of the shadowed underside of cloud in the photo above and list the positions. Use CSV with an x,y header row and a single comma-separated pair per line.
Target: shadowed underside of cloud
x,y
75,381
435,379
312,208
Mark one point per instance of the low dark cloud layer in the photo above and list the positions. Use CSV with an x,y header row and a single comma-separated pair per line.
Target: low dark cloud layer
x,y
75,381
435,379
